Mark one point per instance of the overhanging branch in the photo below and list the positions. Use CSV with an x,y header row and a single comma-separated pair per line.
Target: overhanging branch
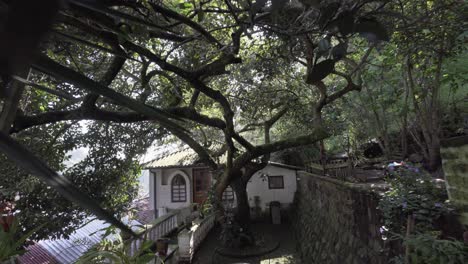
x,y
48,66
26,160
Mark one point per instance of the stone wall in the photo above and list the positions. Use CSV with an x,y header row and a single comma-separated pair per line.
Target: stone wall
x,y
455,163
337,222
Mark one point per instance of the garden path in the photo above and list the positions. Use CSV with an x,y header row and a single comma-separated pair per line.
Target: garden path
x,y
284,254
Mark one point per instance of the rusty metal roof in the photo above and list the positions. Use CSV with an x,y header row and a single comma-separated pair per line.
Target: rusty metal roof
x,y
36,254
66,251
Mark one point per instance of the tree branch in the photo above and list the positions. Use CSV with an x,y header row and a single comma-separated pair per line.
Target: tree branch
x,y
27,161
58,93
317,134
197,27
48,66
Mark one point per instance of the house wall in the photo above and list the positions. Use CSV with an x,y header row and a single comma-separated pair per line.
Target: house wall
x,y
258,186
161,181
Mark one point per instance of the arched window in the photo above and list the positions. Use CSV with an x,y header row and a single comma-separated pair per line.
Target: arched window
x,y
178,190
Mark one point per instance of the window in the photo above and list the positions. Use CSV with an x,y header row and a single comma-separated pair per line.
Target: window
x,y
178,190
228,195
275,182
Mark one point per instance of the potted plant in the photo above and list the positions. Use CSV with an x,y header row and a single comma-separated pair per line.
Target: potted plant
x,y
162,246
11,243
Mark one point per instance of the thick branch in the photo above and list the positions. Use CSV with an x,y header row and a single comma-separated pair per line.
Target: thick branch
x,y
48,66
58,93
14,91
327,99
187,21
316,135
24,122
114,69
191,114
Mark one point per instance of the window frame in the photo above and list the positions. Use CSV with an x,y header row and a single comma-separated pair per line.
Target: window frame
x,y
228,195
180,190
276,177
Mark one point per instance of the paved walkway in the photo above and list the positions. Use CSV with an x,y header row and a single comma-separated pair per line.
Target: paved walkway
x,y
285,254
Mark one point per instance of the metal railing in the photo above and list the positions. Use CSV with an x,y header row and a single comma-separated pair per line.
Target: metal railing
x,y
337,168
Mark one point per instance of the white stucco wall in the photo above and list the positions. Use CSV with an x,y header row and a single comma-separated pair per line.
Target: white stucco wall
x,y
163,191
258,186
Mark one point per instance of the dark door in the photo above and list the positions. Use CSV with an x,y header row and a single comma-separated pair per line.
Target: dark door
x,y
201,184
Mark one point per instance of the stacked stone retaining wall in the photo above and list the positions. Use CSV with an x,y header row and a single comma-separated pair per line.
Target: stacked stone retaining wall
x,y
337,222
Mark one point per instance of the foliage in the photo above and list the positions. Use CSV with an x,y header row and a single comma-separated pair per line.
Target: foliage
x,y
114,249
108,172
392,111
233,235
208,72
207,207
12,241
412,192
426,248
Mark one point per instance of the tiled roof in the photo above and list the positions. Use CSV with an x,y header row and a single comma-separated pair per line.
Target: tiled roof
x,y
187,157
184,157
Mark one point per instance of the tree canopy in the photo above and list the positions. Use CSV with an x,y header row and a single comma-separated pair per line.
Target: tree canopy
x,y
115,76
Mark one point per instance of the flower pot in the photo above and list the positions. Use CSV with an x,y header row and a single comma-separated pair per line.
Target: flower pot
x,y
162,245
455,163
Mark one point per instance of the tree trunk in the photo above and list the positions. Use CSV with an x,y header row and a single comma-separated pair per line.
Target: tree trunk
x,y
404,140
434,162
323,156
243,209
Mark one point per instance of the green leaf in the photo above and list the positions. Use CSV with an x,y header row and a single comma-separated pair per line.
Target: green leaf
x,y
185,5
200,15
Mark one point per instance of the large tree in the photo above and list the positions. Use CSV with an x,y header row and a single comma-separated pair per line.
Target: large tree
x,y
166,66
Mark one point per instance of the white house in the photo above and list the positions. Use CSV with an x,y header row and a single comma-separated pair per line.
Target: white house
x,y
178,180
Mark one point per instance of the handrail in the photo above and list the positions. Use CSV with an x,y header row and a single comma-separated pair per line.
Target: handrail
x,y
336,167
190,240
159,228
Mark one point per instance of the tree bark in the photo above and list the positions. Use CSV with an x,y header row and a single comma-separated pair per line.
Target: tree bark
x,y
243,209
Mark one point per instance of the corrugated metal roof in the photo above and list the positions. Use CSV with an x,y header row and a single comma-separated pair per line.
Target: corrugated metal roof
x,y
143,212
69,250
37,255
65,251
